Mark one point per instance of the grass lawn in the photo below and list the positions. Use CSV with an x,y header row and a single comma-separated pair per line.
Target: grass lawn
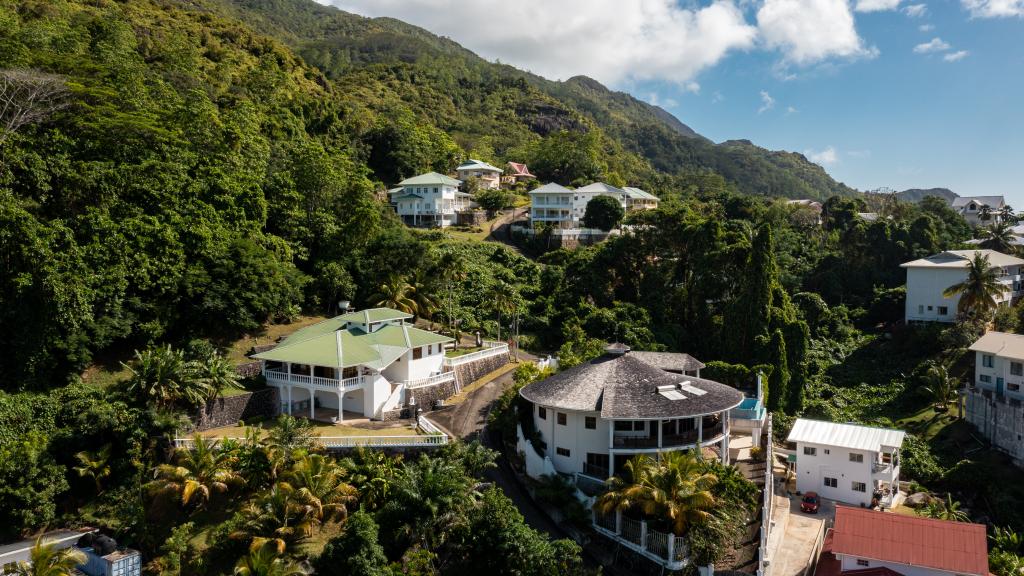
x,y
466,390
462,351
267,335
105,375
481,236
397,428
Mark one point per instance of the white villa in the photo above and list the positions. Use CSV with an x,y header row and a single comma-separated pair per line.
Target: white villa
x,y
429,199
993,401
928,278
489,176
361,362
970,207
563,208
849,463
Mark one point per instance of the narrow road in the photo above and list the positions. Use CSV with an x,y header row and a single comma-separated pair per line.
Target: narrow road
x,y
501,228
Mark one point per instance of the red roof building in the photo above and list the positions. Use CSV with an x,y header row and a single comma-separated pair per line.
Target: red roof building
x,y
869,543
518,171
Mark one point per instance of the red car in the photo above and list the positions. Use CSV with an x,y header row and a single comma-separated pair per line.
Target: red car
x,y
810,503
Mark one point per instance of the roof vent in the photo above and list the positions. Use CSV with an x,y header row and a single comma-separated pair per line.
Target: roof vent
x,y
616,349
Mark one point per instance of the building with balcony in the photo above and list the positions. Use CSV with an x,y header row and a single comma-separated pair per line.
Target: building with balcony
x,y
558,206
488,176
551,204
593,417
430,199
979,210
993,398
928,278
363,362
515,173
848,463
869,543
637,199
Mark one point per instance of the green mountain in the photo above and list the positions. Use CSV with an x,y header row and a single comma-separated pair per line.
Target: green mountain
x,y
918,194
497,111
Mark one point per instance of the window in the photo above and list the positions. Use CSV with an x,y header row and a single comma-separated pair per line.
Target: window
x,y
1016,369
859,487
560,418
590,422
417,353
831,482
562,452
854,457
430,349
542,413
929,308
985,378
986,360
861,562
810,451
1013,387
943,311
623,425
597,464
827,451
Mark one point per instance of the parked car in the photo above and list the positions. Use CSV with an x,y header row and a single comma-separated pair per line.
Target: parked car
x,y
810,503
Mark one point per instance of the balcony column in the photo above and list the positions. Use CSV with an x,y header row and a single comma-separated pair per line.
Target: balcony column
x,y
661,427
312,402
341,403
700,429
289,399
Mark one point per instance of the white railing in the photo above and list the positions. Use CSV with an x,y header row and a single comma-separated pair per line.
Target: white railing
x,y
429,380
427,426
763,561
346,385
403,441
490,349
663,548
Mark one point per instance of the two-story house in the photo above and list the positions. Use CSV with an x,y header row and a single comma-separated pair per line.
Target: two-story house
x,y
847,462
564,208
515,173
583,195
429,199
973,208
869,543
552,204
928,278
488,176
362,362
637,199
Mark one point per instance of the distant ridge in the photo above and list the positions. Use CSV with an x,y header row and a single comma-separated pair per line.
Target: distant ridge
x,y
918,194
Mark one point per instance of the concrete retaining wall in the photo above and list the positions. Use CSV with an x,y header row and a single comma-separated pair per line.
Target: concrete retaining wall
x,y
228,411
999,420
471,371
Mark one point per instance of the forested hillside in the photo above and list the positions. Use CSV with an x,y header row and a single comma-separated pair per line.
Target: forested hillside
x,y
471,98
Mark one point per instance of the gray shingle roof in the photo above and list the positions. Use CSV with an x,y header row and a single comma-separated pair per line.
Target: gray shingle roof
x,y
626,387
670,361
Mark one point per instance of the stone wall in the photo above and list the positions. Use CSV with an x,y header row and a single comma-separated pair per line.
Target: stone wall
x,y
425,397
228,411
999,420
471,218
471,371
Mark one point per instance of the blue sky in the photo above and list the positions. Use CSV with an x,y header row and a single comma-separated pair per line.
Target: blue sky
x,y
883,93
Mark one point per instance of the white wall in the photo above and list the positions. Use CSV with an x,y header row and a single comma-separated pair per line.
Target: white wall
x,y
573,436
405,368
811,471
1013,385
926,285
579,203
850,563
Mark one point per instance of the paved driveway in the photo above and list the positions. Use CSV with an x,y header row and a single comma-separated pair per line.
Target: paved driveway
x,y
799,535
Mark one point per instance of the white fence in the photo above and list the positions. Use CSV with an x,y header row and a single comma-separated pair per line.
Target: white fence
x,y
763,562
490,349
427,426
663,548
429,380
282,377
433,437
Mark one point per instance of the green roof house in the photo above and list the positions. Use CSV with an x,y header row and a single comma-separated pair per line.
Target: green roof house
x,y
488,175
430,199
362,362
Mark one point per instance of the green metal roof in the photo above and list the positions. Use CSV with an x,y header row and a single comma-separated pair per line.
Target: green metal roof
x,y
430,179
637,193
478,165
375,315
330,344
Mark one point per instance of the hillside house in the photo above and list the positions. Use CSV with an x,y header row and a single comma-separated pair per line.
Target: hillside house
x,y
870,543
488,176
552,204
563,208
637,199
928,278
429,199
993,399
848,463
973,208
362,362
516,173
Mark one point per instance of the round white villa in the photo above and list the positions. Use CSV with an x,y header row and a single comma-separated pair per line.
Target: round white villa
x,y
593,417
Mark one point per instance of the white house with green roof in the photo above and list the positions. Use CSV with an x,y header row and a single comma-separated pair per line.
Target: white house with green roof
x,y
489,176
363,362
429,199
558,206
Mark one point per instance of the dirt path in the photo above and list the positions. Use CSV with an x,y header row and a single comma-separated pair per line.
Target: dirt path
x,y
501,228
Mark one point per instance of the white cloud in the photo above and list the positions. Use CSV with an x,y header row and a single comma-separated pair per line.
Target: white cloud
x,y
717,97
926,27
994,8
826,157
934,45
791,110
767,102
612,41
956,56
916,10
876,5
809,31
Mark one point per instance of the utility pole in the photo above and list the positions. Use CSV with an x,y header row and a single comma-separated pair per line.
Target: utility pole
x,y
516,339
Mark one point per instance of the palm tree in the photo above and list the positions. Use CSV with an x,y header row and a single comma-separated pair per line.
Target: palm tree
x,y
162,375
1006,540
941,386
319,482
197,473
985,213
47,560
95,465
396,293
979,290
451,272
265,558
999,237
217,373
944,510
279,513
430,496
426,303
674,489
372,473
503,297
1006,214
